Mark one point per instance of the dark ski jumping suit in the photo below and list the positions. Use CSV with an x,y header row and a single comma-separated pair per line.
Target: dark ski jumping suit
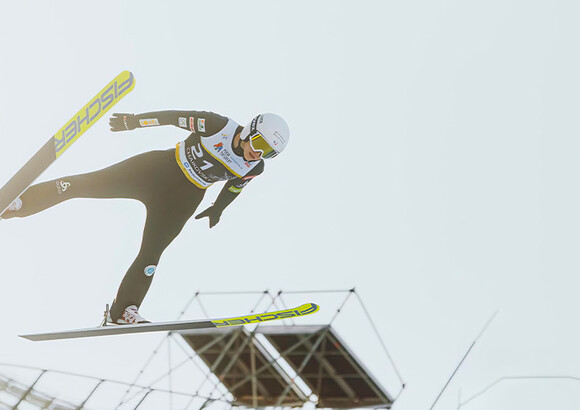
x,y
170,183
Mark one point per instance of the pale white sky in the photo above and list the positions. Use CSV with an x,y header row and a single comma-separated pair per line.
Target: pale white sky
x,y
432,165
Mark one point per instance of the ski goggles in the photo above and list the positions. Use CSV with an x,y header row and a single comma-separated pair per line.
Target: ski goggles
x,y
259,143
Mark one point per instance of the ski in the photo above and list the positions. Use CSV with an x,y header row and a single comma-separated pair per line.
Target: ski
x,y
65,137
302,310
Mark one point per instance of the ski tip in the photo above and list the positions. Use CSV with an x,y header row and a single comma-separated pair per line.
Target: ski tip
x,y
303,310
308,309
127,80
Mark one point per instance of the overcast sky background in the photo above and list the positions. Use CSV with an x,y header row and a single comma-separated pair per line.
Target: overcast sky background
x,y
433,166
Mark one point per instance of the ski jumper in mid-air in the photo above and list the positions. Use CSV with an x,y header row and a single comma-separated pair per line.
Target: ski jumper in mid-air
x,y
171,184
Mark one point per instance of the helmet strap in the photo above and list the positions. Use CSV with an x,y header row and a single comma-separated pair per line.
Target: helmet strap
x,y
238,149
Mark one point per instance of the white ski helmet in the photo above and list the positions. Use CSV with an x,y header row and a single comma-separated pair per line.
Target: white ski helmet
x,y
267,133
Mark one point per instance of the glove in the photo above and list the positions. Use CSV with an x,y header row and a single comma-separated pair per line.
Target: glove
x,y
213,215
123,122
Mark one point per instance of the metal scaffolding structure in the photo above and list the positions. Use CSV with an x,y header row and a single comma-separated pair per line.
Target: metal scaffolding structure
x,y
288,366
256,366
96,393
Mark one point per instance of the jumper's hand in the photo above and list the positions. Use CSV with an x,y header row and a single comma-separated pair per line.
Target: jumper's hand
x,y
123,122
213,215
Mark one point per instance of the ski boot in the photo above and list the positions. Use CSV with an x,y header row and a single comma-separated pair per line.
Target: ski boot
x,y
14,206
130,316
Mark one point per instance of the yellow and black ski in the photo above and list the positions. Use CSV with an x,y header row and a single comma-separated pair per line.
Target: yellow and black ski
x,y
306,309
65,137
